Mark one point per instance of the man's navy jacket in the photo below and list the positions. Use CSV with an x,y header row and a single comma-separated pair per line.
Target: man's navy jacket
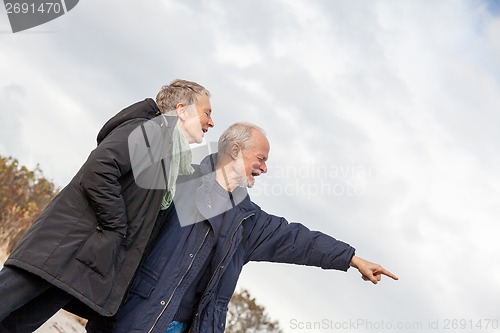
x,y
246,233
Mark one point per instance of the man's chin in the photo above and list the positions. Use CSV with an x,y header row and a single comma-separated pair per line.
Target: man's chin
x,y
246,183
250,182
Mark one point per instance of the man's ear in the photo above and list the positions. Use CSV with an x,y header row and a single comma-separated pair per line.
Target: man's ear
x,y
235,150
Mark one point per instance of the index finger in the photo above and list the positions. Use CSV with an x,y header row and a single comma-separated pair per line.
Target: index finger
x,y
387,273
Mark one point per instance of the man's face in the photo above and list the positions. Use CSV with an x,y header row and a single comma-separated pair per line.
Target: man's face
x,y
253,159
198,121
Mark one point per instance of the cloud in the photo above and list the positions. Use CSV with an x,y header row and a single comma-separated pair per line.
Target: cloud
x,y
408,89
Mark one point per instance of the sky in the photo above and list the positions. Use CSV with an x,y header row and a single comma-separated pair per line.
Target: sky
x,y
380,114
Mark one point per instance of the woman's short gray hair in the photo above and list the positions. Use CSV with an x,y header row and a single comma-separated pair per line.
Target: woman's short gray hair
x,y
237,133
179,91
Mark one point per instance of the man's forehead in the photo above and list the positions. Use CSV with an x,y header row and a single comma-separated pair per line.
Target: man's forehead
x,y
260,142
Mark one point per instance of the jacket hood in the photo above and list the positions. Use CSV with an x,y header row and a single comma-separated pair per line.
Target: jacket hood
x,y
207,165
146,109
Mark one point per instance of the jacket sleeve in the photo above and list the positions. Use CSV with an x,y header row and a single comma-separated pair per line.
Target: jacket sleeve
x,y
100,178
272,238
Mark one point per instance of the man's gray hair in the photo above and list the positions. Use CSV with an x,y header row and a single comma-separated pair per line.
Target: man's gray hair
x,y
179,91
238,133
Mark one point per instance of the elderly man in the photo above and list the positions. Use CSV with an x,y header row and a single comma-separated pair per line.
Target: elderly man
x,y
187,279
87,244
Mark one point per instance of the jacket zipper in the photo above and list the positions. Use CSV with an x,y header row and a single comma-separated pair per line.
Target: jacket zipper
x,y
225,256
179,283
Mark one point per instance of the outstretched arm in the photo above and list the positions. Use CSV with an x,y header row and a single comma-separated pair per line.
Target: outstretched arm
x,y
370,271
272,238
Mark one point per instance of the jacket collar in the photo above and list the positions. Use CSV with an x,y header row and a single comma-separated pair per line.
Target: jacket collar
x,y
212,199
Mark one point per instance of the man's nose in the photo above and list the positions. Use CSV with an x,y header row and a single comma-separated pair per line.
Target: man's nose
x,y
210,122
263,167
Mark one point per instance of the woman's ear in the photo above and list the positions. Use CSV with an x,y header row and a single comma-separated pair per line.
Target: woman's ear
x,y
180,110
